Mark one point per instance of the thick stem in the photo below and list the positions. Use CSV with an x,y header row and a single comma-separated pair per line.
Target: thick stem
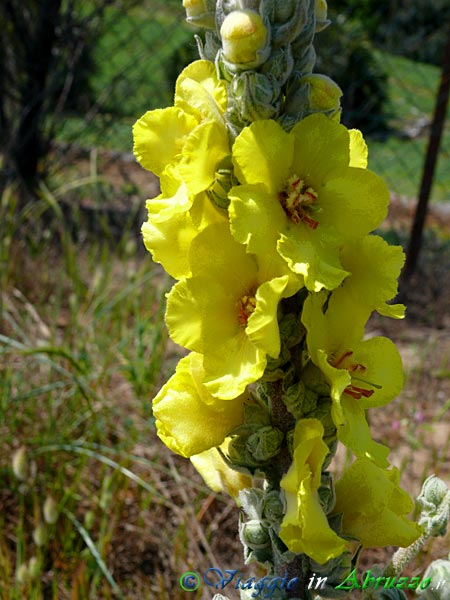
x,y
299,567
403,556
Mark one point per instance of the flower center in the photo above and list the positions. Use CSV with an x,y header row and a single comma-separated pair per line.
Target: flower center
x,y
298,200
245,306
345,361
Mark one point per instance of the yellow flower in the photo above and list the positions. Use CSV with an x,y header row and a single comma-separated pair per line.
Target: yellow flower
x,y
175,217
301,197
217,474
374,507
374,268
227,311
305,527
188,419
362,373
191,135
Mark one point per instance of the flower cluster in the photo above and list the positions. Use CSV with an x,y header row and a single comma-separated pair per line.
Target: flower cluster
x,y
268,234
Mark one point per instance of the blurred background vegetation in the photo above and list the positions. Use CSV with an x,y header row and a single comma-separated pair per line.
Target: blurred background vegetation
x,y
83,346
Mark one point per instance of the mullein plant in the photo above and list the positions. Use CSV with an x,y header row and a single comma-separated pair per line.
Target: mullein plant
x,y
264,220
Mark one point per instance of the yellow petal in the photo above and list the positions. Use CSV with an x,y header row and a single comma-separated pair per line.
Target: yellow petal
x,y
201,93
262,153
374,507
188,419
358,149
159,137
305,528
217,474
204,149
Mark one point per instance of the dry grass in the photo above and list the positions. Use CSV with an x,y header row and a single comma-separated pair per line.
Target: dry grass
x,y
82,352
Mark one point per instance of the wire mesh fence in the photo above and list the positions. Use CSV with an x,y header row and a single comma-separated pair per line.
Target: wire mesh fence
x,y
131,62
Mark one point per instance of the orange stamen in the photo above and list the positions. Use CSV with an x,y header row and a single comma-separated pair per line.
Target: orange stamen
x,y
357,393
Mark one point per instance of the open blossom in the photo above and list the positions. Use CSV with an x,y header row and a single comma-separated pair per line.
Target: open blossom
x,y
301,196
188,419
374,268
362,373
227,311
175,218
190,136
373,505
305,527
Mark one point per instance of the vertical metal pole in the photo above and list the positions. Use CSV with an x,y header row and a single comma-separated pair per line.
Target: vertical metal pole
x,y
415,240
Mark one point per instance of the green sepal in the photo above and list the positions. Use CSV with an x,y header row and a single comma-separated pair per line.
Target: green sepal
x,y
265,443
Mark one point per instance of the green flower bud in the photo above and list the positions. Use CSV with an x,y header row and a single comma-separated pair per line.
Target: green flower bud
x,y
239,455
314,380
20,464
50,510
292,330
434,492
335,571
434,499
22,574
218,192
254,96
279,65
274,506
244,38
252,500
439,573
326,493
254,534
265,443
323,413
294,399
273,370
290,18
40,534
256,415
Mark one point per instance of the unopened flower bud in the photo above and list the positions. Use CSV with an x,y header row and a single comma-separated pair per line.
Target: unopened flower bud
x,y
197,14
265,443
433,492
40,534
321,10
243,36
435,502
274,506
194,8
326,493
218,192
20,463
324,94
50,510
438,572
255,535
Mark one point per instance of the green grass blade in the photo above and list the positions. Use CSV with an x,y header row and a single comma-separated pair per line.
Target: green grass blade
x,y
95,553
